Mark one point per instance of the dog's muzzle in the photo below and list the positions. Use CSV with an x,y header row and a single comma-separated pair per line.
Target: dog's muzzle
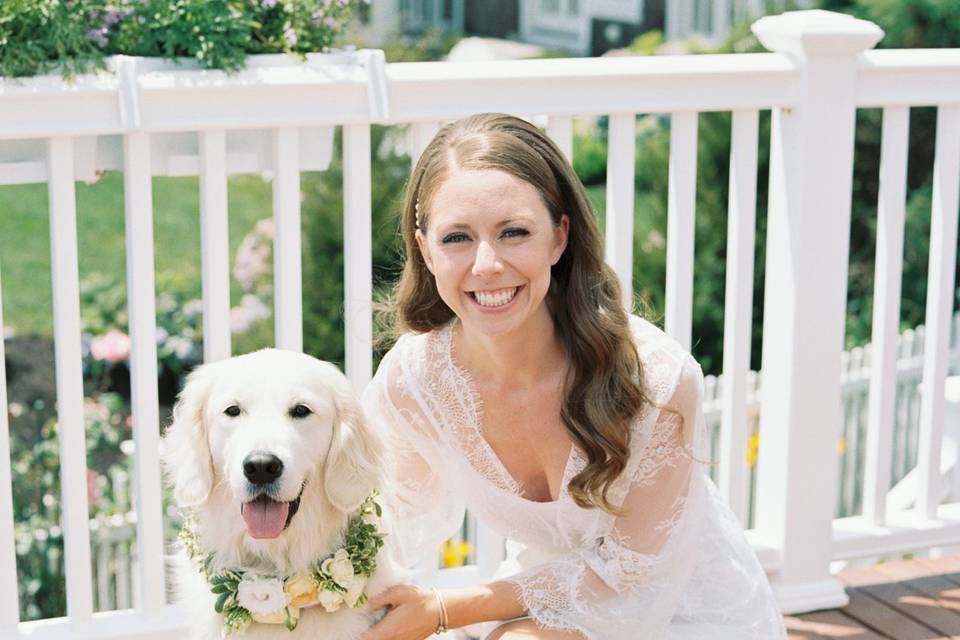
x,y
264,517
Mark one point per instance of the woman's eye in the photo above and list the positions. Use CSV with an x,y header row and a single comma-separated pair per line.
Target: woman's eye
x,y
515,232
300,411
455,237
233,411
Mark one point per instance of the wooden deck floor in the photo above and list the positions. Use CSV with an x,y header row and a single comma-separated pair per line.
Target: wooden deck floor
x,y
906,600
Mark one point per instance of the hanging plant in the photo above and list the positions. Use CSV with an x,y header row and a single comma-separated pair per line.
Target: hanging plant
x,y
75,36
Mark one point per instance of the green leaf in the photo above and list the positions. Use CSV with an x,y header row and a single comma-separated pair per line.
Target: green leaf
x,y
222,600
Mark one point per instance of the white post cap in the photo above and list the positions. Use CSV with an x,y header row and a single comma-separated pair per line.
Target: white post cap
x,y
817,32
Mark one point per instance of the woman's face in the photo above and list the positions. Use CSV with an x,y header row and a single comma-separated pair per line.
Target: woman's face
x,y
490,244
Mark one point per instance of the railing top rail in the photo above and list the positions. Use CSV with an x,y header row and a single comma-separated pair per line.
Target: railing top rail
x,y
153,99
908,77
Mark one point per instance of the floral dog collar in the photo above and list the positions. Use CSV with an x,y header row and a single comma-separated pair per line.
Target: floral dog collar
x,y
245,597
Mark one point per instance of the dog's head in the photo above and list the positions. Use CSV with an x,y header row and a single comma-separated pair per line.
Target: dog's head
x,y
259,428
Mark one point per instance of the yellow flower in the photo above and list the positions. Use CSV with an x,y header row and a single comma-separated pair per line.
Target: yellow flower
x,y
753,448
302,589
277,617
455,552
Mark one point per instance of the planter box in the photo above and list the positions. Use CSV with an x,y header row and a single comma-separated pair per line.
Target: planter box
x,y
160,96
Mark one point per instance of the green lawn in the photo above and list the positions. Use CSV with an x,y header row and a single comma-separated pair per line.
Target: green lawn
x,y
25,244
25,237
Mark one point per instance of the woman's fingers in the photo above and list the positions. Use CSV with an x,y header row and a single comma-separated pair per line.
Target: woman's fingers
x,y
379,631
387,598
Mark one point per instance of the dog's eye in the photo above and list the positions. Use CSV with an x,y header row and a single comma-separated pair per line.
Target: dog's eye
x,y
233,411
300,411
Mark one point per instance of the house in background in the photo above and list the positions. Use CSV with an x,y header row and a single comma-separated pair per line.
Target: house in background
x,y
581,27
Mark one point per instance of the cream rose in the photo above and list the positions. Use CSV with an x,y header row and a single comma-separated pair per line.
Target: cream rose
x,y
355,590
277,617
301,589
261,595
339,568
330,600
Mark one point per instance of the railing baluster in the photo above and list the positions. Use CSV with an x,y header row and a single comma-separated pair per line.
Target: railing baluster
x,y
141,290
421,133
621,151
215,254
66,327
738,311
102,558
287,278
560,129
943,262
9,605
357,254
886,312
681,201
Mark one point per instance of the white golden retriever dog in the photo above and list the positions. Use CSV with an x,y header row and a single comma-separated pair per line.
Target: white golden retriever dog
x,y
272,454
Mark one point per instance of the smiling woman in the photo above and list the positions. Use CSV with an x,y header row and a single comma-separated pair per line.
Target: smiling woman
x,y
523,390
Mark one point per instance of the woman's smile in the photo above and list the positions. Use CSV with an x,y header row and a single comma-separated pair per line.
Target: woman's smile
x,y
495,299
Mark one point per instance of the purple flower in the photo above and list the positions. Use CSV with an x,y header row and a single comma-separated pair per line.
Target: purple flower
x,y
342,3
317,17
98,36
290,36
330,22
269,4
113,16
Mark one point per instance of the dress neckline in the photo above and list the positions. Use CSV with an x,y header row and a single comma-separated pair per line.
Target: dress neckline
x,y
496,472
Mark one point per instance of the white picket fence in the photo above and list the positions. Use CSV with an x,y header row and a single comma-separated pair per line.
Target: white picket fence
x,y
821,71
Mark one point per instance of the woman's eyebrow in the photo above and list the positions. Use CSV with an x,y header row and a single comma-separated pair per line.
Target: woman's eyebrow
x,y
463,226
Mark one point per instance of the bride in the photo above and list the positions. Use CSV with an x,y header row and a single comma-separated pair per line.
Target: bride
x,y
522,390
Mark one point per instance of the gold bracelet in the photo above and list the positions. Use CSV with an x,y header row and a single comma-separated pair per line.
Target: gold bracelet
x,y
442,625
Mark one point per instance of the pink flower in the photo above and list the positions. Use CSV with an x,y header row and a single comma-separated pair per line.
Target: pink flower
x,y
93,492
112,347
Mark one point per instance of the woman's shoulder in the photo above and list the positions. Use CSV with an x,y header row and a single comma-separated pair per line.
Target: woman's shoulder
x,y
666,364
414,354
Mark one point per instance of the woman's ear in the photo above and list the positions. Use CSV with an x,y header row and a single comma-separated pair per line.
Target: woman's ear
x,y
186,454
560,233
355,462
424,249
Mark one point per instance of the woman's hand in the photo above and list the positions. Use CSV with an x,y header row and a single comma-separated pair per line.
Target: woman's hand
x,y
412,614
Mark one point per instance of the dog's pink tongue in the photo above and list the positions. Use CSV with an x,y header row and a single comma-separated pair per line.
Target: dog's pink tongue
x,y
265,518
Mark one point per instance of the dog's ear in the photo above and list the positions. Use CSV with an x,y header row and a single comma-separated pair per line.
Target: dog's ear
x,y
354,464
186,454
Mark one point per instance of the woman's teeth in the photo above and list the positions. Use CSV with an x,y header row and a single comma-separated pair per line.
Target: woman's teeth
x,y
496,298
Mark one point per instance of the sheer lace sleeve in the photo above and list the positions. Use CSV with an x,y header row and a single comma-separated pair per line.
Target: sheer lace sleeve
x,y
628,582
426,502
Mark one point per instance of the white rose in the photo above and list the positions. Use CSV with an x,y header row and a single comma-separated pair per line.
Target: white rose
x,y
339,568
261,595
355,590
330,600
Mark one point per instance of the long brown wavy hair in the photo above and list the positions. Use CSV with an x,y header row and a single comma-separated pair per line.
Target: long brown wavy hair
x,y
604,387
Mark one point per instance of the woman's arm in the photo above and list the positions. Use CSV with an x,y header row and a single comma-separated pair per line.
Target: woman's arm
x,y
413,613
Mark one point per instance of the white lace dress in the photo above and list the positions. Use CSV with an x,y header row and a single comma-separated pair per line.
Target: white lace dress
x,y
675,566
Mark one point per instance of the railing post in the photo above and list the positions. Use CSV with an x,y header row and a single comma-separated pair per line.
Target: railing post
x,y
808,226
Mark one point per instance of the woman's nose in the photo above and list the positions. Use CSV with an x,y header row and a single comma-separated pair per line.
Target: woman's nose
x,y
486,261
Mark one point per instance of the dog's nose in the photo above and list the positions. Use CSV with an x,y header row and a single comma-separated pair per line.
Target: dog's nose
x,y
262,468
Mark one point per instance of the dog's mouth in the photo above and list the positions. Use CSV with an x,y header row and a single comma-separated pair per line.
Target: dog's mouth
x,y
266,518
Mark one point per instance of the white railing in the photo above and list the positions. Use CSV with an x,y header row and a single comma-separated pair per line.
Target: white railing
x,y
114,536
821,72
